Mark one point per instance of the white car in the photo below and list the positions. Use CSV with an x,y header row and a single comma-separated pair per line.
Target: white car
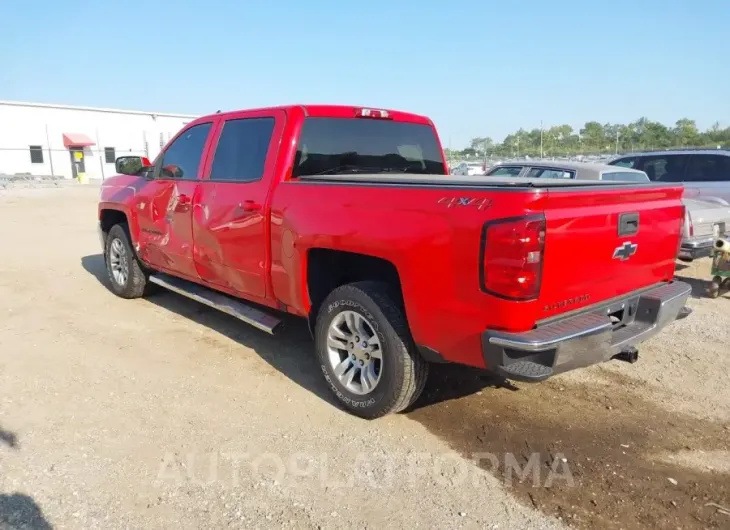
x,y
469,169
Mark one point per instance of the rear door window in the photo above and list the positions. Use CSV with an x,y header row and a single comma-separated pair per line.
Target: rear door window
x,y
664,168
549,173
356,145
241,151
505,171
708,168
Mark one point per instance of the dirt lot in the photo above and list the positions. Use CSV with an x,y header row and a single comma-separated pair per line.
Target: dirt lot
x,y
160,413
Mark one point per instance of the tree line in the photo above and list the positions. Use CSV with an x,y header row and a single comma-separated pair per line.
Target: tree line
x,y
594,138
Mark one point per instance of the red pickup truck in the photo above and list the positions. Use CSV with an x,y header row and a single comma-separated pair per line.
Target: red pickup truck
x,y
347,217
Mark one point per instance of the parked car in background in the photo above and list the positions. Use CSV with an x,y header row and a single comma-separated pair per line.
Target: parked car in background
x,y
469,169
704,221
704,172
566,170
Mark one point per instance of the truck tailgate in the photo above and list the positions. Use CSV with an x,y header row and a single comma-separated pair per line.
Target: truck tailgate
x,y
607,243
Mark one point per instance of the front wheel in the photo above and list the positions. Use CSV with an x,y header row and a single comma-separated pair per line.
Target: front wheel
x,y
366,352
126,276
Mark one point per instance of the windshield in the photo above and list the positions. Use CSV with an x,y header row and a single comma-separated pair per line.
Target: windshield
x,y
356,145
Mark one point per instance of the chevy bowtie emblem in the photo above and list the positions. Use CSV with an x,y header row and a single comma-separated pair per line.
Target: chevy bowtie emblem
x,y
625,251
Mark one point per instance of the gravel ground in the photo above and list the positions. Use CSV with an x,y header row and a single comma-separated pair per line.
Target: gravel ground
x,y
160,413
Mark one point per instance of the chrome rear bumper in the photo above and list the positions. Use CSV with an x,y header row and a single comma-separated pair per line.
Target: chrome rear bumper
x,y
696,248
590,337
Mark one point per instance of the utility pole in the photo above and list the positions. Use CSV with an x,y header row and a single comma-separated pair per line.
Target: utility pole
x,y
541,152
617,133
50,151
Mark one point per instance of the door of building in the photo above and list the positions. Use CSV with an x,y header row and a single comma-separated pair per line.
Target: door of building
x,y
77,163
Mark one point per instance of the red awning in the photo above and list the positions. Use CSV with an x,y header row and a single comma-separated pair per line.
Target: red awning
x,y
77,140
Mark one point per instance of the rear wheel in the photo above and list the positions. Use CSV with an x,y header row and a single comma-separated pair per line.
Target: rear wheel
x,y
126,276
366,352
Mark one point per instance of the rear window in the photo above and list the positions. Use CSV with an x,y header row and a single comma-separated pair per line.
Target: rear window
x,y
352,145
624,176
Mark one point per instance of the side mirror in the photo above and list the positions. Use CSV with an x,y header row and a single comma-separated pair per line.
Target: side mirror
x,y
132,165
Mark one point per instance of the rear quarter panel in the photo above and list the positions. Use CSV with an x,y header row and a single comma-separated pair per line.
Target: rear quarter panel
x,y
433,243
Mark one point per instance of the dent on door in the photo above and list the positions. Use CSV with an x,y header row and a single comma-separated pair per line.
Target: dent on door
x,y
228,238
167,242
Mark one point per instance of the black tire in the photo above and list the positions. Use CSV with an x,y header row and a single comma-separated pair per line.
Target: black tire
x,y
403,370
136,280
714,290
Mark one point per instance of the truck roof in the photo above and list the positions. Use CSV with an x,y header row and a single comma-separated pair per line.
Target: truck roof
x,y
332,111
684,151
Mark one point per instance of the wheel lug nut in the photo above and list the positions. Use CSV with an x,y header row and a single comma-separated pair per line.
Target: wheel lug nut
x,y
367,356
353,357
362,362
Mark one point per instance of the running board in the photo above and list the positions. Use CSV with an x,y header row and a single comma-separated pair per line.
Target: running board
x,y
219,301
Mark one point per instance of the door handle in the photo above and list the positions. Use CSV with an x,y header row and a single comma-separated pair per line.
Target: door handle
x,y
628,224
249,206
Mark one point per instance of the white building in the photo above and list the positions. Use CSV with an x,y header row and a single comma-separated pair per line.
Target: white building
x,y
69,141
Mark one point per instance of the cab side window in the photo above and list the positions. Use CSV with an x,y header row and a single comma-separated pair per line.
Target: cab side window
x,y
708,168
625,162
547,173
664,168
241,152
505,171
181,160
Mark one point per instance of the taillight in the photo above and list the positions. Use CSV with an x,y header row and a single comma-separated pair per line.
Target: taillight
x,y
685,227
512,256
690,226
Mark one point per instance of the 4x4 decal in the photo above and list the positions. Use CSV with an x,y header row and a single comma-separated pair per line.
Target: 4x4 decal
x,y
479,204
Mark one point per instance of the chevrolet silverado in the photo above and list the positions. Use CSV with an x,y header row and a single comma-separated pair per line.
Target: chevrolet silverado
x,y
347,217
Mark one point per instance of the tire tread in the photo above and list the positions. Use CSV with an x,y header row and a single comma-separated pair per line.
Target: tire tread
x,y
136,286
413,368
